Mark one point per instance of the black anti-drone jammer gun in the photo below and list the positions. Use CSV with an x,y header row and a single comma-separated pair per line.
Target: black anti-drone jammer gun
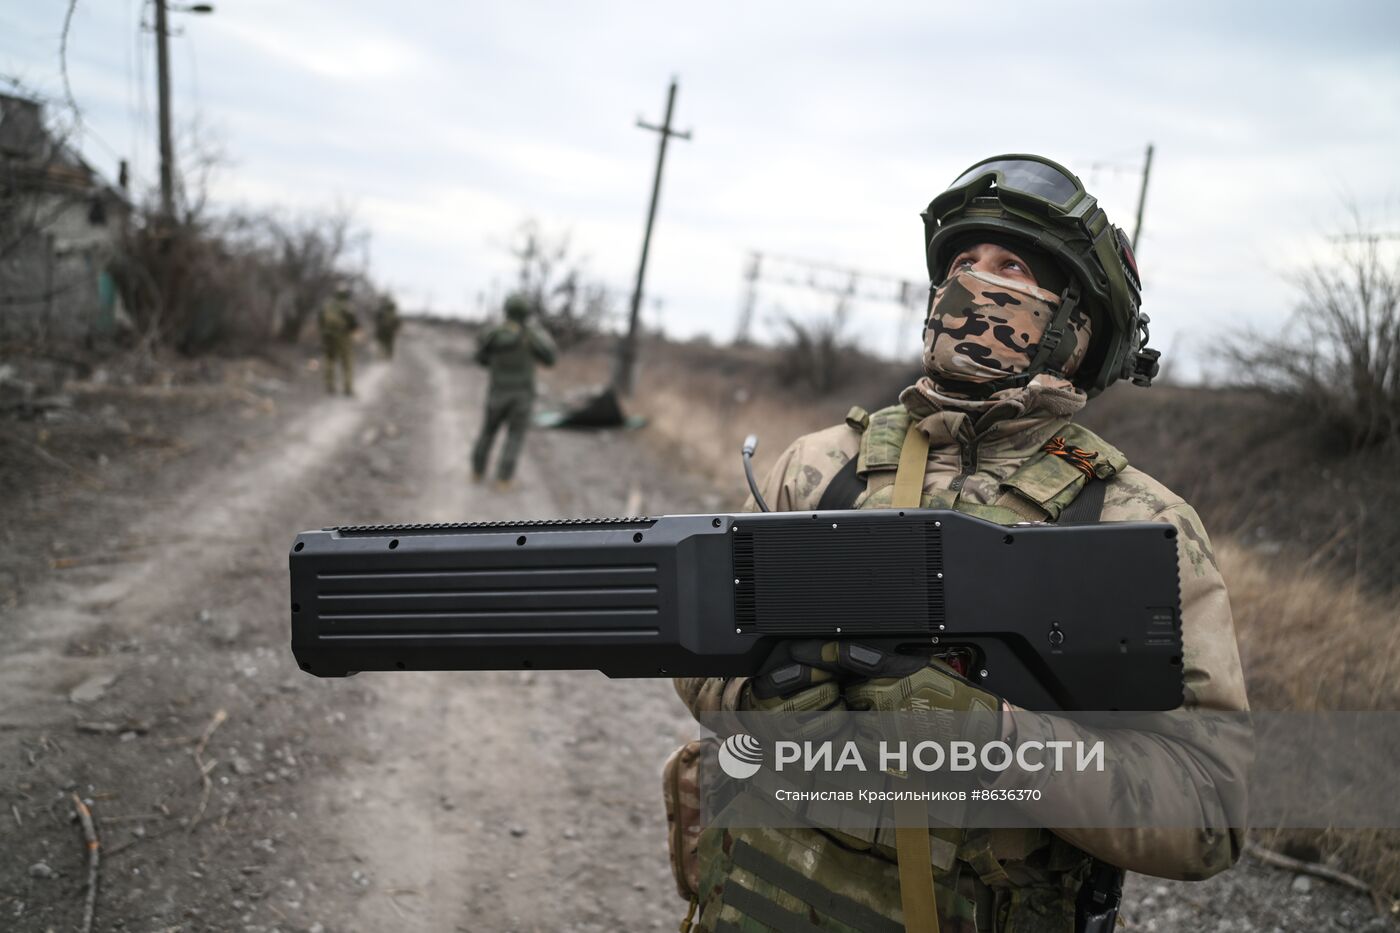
x,y
1074,617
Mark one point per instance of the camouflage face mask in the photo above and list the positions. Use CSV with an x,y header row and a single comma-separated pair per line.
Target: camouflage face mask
x,y
983,327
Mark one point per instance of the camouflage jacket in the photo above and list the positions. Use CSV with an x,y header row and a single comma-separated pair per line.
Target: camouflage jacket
x,y
386,319
971,456
510,351
336,321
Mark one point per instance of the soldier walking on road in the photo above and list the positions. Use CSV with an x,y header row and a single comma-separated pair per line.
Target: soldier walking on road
x,y
338,324
510,351
386,326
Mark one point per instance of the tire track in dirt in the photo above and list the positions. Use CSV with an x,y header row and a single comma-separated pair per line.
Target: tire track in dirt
x,y
159,646
199,532
392,807
511,800
474,801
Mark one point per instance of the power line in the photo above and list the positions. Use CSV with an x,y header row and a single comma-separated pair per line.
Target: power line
x,y
80,124
828,278
130,86
63,59
1364,237
865,274
143,56
194,71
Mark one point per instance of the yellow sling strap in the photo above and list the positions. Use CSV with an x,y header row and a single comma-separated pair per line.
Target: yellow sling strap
x,y
913,463
911,840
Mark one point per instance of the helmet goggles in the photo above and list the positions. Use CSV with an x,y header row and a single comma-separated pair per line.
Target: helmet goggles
x,y
1035,186
1028,176
1022,182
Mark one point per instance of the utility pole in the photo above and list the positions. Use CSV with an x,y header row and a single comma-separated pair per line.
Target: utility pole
x,y
1142,197
167,150
741,334
627,347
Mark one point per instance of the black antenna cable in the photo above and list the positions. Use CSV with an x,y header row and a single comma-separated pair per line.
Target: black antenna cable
x,y
750,445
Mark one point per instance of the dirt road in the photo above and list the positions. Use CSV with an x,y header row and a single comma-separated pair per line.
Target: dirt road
x,y
233,792
419,802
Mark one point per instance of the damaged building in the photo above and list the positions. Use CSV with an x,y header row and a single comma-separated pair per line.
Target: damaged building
x,y
61,230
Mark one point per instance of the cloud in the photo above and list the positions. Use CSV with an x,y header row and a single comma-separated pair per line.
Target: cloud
x,y
342,58
820,131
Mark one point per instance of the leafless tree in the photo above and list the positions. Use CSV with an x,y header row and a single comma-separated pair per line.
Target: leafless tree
x,y
207,277
570,302
310,250
246,277
1338,359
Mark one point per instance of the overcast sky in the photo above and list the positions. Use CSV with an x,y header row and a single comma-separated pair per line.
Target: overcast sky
x,y
818,131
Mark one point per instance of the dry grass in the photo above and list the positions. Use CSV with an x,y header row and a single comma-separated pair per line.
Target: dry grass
x,y
1310,639
705,418
707,411
701,402
1260,475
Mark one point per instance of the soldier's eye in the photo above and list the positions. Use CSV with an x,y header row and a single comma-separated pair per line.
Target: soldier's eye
x,y
1016,267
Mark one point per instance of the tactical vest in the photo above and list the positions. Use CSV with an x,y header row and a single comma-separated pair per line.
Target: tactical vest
x,y
1015,880
510,359
335,321
1040,490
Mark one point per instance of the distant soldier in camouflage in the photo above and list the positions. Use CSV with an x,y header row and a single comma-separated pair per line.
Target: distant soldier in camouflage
x,y
1034,308
338,325
386,325
510,350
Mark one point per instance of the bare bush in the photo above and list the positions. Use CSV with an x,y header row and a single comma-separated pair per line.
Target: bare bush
x,y
570,302
816,353
245,278
1338,360
310,251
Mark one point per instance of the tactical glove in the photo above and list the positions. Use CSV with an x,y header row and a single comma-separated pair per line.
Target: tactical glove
x,y
938,704
799,678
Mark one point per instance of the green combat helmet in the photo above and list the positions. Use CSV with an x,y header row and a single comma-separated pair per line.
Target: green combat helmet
x,y
517,307
1036,200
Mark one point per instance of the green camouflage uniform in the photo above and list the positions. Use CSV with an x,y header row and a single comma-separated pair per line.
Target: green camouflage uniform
x,y
386,326
337,323
988,458
510,351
